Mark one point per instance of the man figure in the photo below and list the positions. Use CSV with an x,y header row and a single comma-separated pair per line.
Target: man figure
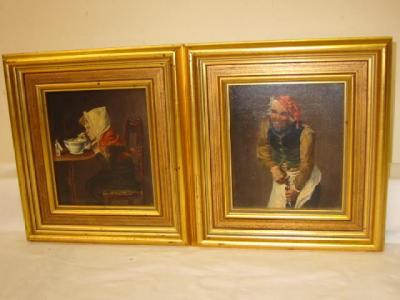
x,y
286,149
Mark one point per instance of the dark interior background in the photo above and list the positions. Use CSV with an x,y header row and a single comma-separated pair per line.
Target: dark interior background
x,y
65,109
322,108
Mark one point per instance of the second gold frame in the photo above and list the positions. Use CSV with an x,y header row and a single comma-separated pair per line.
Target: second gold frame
x,y
290,143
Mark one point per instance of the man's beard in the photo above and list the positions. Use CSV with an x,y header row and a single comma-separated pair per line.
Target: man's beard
x,y
279,126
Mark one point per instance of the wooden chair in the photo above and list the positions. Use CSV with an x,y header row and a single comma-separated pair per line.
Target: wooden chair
x,y
134,143
134,133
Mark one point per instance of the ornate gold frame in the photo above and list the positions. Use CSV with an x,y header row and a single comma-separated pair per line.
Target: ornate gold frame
x,y
363,65
30,76
187,93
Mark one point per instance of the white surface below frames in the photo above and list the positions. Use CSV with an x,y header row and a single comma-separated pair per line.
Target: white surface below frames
x,y
33,270
79,271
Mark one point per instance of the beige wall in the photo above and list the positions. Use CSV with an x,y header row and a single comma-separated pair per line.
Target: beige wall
x,y
28,26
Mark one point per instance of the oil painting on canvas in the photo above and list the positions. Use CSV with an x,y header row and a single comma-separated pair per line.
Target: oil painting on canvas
x,y
101,147
287,145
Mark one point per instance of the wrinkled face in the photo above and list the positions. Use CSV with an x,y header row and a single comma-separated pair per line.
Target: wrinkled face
x,y
279,116
89,131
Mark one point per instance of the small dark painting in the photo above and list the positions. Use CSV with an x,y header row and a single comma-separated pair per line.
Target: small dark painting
x,y
287,145
100,146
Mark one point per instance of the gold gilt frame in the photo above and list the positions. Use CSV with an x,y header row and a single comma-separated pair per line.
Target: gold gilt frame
x,y
363,67
154,69
188,98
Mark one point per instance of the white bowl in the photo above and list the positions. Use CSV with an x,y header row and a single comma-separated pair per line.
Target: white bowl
x,y
75,146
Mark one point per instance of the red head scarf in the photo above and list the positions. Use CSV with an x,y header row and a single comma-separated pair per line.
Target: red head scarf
x,y
291,106
109,138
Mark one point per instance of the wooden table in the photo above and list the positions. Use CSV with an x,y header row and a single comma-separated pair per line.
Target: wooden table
x,y
71,160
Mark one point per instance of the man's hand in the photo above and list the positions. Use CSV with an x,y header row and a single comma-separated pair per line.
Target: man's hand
x,y
278,175
291,196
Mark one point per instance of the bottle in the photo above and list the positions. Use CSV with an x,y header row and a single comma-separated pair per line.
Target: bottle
x,y
58,148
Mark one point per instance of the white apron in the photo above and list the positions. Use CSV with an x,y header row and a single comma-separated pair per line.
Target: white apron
x,y
277,198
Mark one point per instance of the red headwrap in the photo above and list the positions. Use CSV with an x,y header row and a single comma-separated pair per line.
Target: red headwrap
x,y
109,138
291,106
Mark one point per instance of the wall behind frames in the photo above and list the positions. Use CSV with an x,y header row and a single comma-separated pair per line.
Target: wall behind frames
x,y
31,26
